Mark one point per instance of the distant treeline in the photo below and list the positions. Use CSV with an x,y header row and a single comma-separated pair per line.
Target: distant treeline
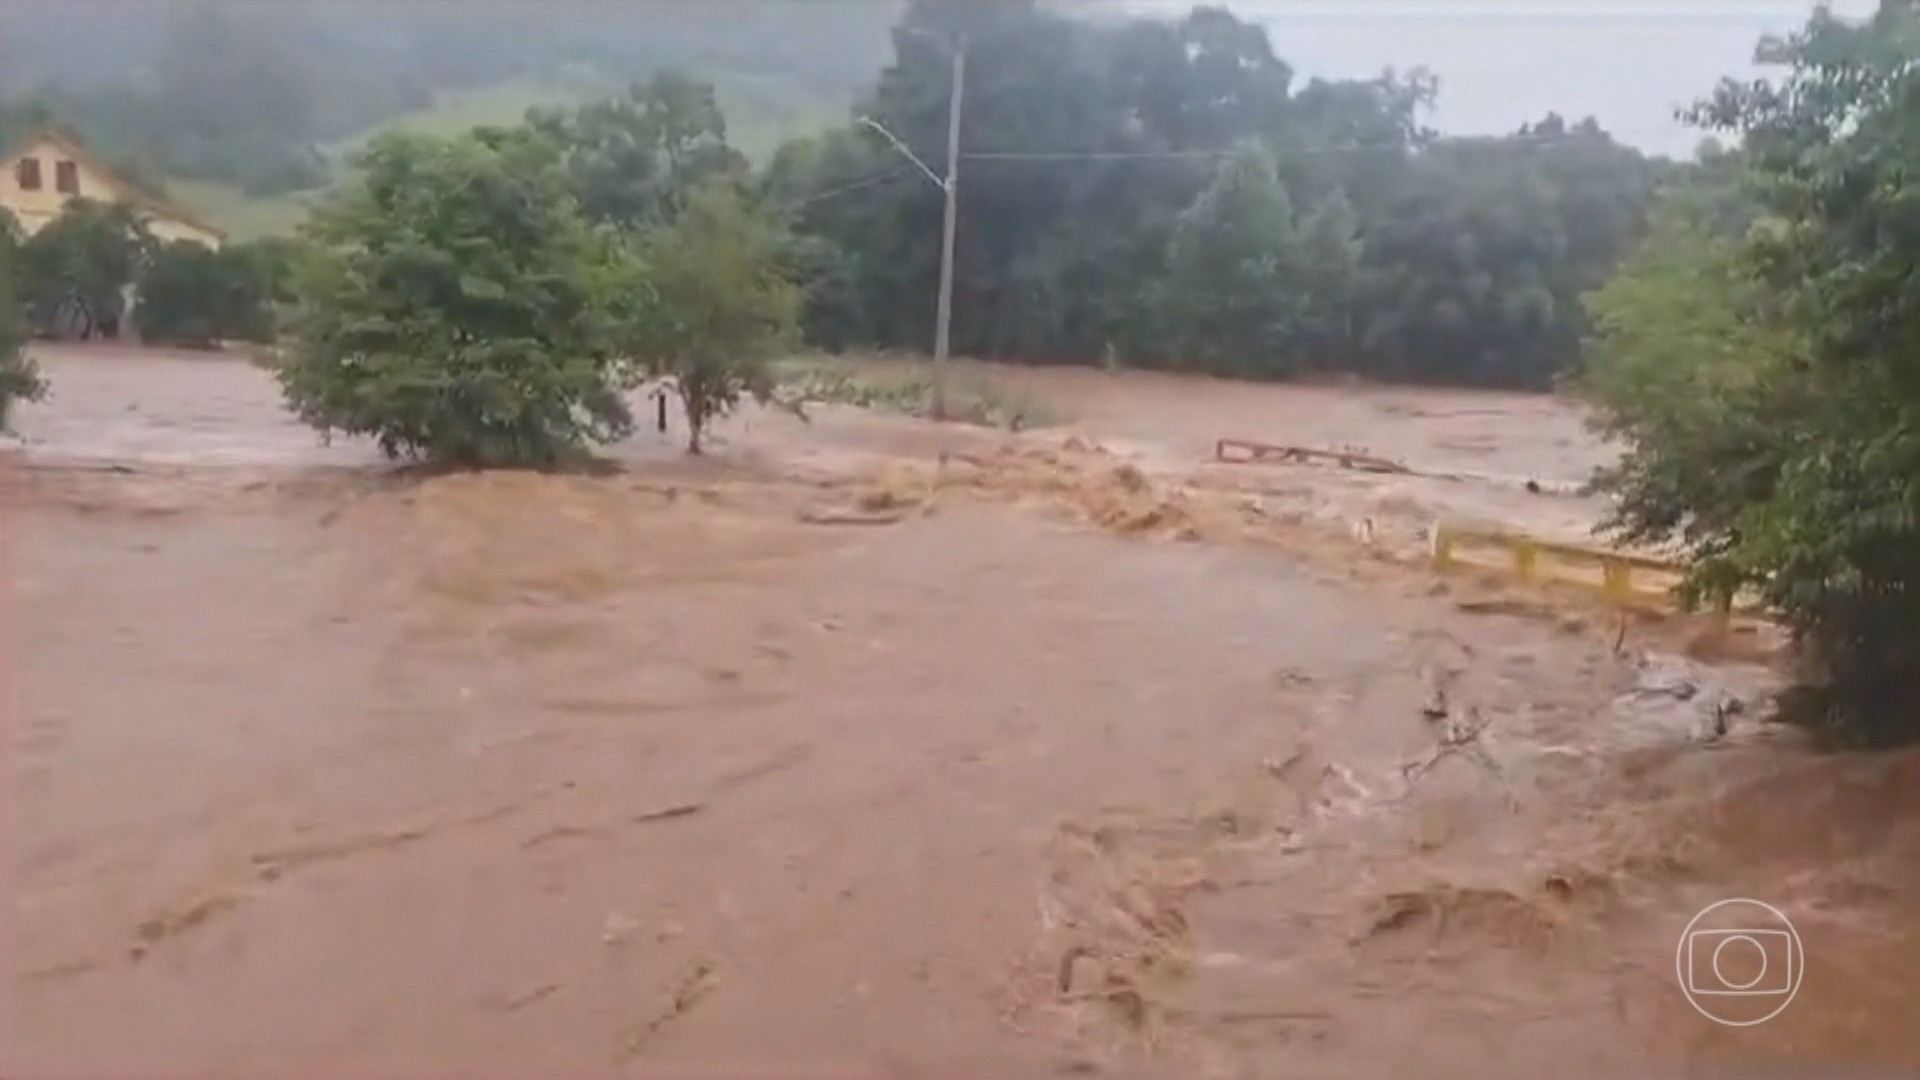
x,y
1146,192
1169,194
246,92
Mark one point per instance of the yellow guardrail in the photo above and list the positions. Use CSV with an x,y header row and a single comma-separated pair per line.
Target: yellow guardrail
x,y
1622,578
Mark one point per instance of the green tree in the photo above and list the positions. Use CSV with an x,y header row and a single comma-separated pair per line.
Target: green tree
x,y
76,270
192,295
1687,345
1794,471
1328,276
456,306
724,306
1402,256
19,377
632,160
1232,301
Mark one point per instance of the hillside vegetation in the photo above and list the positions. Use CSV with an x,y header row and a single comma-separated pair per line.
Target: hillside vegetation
x,y
251,108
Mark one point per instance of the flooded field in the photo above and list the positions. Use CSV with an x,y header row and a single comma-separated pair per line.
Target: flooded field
x,y
866,748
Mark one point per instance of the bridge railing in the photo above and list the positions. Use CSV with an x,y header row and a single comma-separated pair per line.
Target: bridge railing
x,y
1247,452
1621,578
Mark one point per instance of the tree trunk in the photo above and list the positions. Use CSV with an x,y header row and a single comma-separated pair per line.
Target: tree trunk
x,y
695,404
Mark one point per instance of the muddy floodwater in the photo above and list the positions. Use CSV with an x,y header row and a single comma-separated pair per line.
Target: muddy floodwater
x,y
866,748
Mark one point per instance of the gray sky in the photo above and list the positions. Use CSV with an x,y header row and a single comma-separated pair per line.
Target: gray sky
x,y
1504,62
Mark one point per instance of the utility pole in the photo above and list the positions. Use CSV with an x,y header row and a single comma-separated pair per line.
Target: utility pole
x,y
943,328
943,331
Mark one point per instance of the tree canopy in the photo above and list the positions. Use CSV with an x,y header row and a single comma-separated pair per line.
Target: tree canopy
x,y
1109,191
631,160
724,305
1767,381
192,295
19,377
456,306
74,272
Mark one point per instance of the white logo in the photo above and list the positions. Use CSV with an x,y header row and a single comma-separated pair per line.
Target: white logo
x,y
1740,962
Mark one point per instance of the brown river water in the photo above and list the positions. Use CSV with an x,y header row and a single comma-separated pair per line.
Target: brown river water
x,y
1069,754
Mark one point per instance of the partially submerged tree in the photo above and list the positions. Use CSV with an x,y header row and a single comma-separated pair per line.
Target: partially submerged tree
x,y
1772,391
455,307
1687,346
76,270
724,306
19,376
192,295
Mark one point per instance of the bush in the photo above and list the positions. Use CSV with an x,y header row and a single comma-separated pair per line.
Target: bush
x,y
19,376
72,273
725,308
1769,388
192,295
455,307
973,397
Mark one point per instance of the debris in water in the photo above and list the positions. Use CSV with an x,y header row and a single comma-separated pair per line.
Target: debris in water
x,y
853,517
1464,732
695,985
1278,768
1069,963
618,928
1292,676
1662,678
1720,710
669,813
521,1001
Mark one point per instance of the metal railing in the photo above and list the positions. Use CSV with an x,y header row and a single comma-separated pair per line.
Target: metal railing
x,y
1621,578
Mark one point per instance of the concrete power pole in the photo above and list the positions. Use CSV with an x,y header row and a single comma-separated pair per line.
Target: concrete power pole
x,y
943,330
950,184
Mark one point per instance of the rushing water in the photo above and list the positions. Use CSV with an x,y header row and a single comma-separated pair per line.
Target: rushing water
x,y
1070,769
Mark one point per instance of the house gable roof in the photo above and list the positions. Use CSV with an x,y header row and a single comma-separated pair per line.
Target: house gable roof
x,y
49,134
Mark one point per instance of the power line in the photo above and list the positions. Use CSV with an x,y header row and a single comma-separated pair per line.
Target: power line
x,y
1095,155
1068,156
1282,151
846,189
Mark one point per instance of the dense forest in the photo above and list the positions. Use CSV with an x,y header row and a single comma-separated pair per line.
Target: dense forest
x,y
1146,192
1169,194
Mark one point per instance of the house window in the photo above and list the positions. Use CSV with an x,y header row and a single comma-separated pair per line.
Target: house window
x,y
66,177
28,173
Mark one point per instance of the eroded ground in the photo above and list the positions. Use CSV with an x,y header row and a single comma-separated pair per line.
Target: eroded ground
x,y
1071,755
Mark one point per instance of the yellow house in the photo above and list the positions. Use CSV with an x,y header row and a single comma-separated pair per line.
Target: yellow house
x,y
48,169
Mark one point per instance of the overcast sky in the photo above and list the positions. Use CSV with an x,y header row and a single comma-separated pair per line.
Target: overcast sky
x,y
1504,62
